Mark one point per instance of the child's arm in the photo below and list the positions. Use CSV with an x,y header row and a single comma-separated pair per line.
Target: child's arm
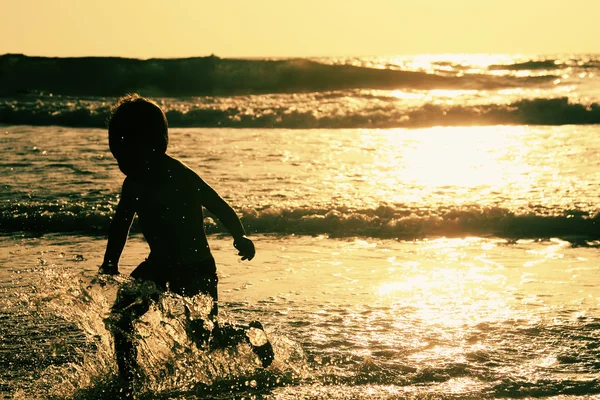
x,y
222,210
118,231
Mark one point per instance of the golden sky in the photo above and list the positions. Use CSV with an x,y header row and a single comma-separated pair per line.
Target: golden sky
x,y
285,28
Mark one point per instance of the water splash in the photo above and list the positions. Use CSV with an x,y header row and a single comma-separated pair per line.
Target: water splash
x,y
170,365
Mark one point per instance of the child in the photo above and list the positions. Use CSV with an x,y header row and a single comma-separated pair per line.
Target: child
x,y
168,198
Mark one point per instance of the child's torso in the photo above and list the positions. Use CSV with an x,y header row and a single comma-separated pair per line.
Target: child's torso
x,y
171,217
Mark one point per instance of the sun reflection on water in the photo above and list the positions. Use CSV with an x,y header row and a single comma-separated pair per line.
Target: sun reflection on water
x,y
511,167
453,165
454,291
477,63
456,157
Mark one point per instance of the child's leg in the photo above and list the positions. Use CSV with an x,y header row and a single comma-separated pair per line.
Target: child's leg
x,y
202,327
254,334
128,307
133,301
204,330
225,335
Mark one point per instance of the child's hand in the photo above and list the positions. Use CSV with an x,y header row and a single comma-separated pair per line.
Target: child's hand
x,y
245,247
108,268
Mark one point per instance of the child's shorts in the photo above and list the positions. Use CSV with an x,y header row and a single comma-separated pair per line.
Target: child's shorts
x,y
185,280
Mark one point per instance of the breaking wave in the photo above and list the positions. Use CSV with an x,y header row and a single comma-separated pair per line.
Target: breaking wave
x,y
385,221
301,93
303,115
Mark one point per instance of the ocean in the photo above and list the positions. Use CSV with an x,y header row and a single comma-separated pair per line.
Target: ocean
x,y
426,226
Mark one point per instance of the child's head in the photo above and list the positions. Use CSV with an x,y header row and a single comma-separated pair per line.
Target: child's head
x,y
137,132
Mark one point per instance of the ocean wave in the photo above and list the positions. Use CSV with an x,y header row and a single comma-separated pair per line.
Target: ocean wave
x,y
529,65
385,221
557,111
111,76
377,113
551,64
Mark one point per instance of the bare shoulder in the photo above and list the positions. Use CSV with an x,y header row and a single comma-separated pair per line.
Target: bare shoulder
x,y
185,173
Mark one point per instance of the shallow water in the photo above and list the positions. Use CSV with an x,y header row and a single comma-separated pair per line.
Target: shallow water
x,y
434,263
350,318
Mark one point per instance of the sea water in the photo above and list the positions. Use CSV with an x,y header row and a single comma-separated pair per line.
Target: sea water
x,y
444,262
456,260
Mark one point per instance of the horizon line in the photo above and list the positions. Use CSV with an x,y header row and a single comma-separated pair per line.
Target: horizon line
x,y
517,54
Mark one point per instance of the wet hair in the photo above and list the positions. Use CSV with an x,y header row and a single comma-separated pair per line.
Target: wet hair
x,y
137,123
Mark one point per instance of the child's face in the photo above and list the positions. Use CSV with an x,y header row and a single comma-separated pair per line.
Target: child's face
x,y
132,160
130,166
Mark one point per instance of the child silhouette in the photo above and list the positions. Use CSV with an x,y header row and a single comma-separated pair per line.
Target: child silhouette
x,y
168,198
